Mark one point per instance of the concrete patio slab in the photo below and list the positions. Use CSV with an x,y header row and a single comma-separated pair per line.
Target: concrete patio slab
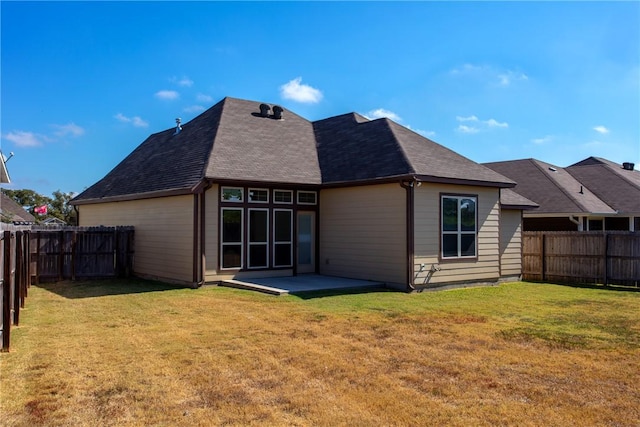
x,y
301,283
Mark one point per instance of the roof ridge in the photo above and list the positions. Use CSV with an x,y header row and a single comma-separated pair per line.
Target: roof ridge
x,y
405,155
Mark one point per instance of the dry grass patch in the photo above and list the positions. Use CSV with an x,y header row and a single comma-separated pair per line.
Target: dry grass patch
x,y
144,353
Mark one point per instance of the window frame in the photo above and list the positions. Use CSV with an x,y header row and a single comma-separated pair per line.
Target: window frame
x,y
315,194
222,199
257,189
250,243
290,192
459,232
289,242
223,243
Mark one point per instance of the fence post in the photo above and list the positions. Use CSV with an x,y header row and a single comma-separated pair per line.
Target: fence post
x,y
17,289
6,292
543,262
606,258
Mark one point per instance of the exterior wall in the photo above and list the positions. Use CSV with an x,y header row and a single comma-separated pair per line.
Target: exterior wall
x,y
212,230
510,243
486,267
163,233
363,233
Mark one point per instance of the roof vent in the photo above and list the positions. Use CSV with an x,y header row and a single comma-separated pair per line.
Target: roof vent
x,y
552,169
277,112
264,110
628,166
178,127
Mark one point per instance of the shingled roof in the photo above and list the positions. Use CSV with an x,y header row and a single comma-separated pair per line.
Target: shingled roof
x,y
233,141
10,211
611,182
551,187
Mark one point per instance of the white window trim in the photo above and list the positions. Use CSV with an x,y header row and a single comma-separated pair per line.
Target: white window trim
x,y
290,192
290,242
458,232
250,243
241,242
231,188
258,201
315,193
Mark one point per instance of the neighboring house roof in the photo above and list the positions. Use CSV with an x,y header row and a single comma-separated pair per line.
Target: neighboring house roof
x,y
618,187
232,141
10,211
551,187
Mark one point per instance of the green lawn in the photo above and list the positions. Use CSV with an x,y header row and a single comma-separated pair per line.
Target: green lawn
x,y
146,353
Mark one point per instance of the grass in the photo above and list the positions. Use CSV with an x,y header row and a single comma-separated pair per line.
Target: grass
x,y
145,353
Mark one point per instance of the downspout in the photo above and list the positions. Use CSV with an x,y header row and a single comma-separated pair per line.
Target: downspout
x,y
75,208
409,186
576,221
199,214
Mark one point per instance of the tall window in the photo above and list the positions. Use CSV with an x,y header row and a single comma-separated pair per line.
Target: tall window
x,y
231,242
258,238
283,238
459,226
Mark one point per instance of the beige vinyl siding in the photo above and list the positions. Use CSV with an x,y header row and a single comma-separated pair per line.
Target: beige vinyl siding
x,y
427,236
163,233
510,243
363,233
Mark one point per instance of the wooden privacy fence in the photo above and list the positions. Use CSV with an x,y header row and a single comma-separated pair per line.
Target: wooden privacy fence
x,y
81,252
14,262
54,254
609,258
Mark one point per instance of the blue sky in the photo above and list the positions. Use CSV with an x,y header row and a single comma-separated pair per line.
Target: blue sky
x,y
84,83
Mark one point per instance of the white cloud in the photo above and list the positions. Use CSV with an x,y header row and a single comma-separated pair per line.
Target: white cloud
x,y
24,139
184,81
467,129
168,95
509,76
298,92
201,97
478,125
601,129
193,109
380,113
543,140
135,121
68,129
467,119
493,75
492,123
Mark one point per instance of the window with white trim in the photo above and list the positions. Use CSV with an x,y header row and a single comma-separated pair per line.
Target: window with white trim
x,y
258,252
231,232
282,237
258,195
458,226
283,196
232,194
307,197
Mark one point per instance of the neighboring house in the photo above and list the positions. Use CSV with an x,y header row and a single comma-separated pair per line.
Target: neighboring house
x,y
11,212
594,194
249,190
53,221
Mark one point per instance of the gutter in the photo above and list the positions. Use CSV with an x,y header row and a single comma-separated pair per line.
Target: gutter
x,y
410,204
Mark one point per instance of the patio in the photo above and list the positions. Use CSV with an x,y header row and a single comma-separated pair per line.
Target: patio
x,y
301,283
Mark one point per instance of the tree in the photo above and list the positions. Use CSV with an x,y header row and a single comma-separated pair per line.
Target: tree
x,y
57,207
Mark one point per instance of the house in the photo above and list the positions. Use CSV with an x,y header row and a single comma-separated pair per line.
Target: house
x,y
13,213
594,194
253,190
